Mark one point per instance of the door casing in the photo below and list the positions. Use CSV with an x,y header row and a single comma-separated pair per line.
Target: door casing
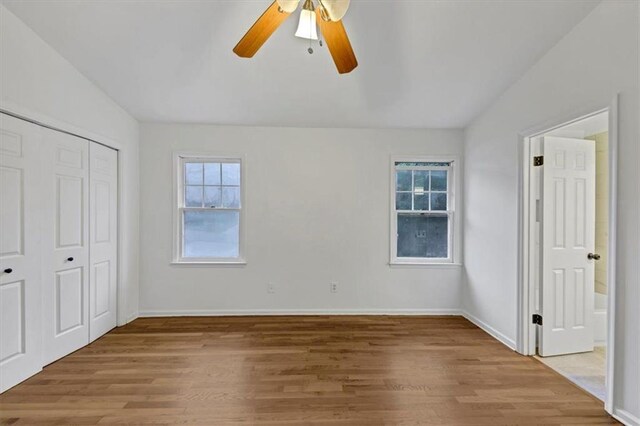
x,y
526,330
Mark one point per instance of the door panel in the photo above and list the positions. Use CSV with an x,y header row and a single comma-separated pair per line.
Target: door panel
x,y
68,300
104,244
70,201
20,297
65,240
568,235
12,187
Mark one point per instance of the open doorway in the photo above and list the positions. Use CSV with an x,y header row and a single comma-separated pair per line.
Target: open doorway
x,y
567,260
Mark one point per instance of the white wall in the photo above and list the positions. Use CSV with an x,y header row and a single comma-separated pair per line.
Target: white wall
x,y
317,210
565,81
36,82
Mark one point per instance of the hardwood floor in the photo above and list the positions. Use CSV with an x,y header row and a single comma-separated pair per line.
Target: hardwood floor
x,y
299,370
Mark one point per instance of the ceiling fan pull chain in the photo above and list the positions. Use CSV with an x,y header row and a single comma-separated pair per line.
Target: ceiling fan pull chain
x,y
310,50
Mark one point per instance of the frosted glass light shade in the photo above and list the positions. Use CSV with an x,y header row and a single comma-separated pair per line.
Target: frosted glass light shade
x,y
307,25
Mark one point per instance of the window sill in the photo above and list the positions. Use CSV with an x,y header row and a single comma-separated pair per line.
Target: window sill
x,y
442,265
239,262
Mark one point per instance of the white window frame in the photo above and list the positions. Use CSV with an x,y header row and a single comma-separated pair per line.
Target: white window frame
x,y
453,211
179,207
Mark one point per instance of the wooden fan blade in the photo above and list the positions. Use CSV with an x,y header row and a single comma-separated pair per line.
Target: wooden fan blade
x,y
338,43
260,32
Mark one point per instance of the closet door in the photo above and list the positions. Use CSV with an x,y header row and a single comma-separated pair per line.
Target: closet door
x,y
103,249
65,239
20,297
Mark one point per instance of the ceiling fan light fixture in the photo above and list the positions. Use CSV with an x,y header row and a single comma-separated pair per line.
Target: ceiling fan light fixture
x,y
307,27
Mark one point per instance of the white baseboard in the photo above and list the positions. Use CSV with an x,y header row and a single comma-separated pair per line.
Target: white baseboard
x,y
510,343
276,312
626,417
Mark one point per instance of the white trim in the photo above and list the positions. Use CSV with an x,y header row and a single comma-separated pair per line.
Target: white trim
x,y
612,282
625,417
501,337
454,212
178,158
434,265
132,317
525,329
234,262
301,312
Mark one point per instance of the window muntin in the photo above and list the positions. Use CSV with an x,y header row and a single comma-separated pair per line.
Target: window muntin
x,y
210,205
423,212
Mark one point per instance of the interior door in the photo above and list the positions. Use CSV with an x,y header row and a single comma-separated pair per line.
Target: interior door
x,y
65,239
568,236
20,301
103,249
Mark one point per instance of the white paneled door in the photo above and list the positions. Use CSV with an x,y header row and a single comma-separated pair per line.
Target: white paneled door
x,y
20,301
568,238
103,249
65,240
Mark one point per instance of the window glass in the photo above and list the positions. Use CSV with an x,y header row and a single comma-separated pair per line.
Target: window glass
x,y
212,174
231,197
421,201
193,196
403,180
421,181
209,233
439,180
231,174
212,196
423,236
193,173
403,200
439,201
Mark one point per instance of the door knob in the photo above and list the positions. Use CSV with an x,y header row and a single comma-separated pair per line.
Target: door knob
x,y
8,271
593,256
69,259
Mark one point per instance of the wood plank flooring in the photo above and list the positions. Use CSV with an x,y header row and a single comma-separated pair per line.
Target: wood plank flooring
x,y
299,370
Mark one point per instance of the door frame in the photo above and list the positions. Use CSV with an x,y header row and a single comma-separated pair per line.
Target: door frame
x,y
49,122
526,330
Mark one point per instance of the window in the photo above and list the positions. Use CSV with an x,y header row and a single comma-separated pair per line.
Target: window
x,y
209,212
422,212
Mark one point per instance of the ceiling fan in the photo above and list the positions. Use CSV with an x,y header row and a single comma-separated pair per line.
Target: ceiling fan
x,y
327,14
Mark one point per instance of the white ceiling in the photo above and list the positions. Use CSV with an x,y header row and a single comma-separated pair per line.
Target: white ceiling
x,y
422,63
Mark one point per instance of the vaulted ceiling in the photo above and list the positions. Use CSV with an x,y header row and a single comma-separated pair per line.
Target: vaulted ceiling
x,y
427,63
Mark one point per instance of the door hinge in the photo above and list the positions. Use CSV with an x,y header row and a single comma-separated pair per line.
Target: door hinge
x,y
538,160
536,319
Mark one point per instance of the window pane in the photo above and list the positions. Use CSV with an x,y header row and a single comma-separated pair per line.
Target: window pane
x,y
439,201
211,234
439,180
230,173
403,200
403,180
423,236
231,197
193,173
421,181
212,196
193,196
212,173
421,202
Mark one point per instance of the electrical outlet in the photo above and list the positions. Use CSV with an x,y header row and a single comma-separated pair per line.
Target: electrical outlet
x,y
333,287
271,288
